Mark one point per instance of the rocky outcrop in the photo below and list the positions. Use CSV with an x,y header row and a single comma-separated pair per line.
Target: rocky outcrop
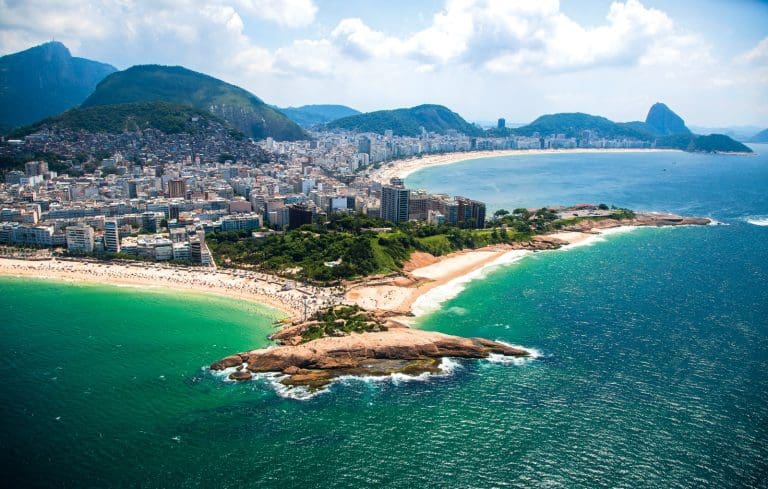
x,y
405,350
640,219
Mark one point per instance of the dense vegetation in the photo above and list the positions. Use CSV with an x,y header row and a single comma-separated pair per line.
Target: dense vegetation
x,y
713,143
573,124
176,84
10,162
345,246
340,321
408,122
44,80
313,115
167,117
719,143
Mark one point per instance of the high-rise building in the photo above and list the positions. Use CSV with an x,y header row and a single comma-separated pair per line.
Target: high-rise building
x,y
177,188
132,189
150,221
418,205
394,201
364,145
502,123
80,239
111,236
298,215
470,213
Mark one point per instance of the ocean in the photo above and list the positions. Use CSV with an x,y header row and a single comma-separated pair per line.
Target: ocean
x,y
652,354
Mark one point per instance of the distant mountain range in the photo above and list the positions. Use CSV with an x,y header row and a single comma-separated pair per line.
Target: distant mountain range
x,y
662,126
407,122
43,81
175,84
313,115
760,137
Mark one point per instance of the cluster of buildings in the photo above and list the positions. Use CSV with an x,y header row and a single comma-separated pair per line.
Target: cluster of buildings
x,y
157,196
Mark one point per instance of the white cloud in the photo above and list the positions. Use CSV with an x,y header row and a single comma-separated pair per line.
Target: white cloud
x,y
289,13
525,36
756,55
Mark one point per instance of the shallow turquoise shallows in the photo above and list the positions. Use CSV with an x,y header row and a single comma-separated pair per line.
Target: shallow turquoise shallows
x,y
653,369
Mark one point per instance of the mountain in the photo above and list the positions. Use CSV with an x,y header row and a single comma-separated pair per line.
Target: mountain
x,y
760,137
664,121
407,122
573,124
739,133
312,115
167,117
175,84
45,80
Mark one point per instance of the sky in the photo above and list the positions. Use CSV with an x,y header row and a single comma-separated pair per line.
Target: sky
x,y
485,59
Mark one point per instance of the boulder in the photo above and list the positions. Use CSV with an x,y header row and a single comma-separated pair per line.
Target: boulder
x,y
227,362
241,375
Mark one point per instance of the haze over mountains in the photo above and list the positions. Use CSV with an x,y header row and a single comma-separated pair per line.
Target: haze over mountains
x,y
46,80
408,122
313,115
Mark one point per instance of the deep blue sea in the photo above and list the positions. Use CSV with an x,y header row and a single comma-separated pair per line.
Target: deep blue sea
x,y
653,366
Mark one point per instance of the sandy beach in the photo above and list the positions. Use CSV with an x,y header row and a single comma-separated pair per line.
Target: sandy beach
x,y
249,286
403,168
426,287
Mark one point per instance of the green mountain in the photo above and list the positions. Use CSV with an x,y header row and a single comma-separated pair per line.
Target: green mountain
x,y
407,122
712,143
165,116
313,115
664,121
44,80
760,137
240,108
573,125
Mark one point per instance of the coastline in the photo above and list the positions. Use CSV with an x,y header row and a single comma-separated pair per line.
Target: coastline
x,y
403,168
429,286
248,286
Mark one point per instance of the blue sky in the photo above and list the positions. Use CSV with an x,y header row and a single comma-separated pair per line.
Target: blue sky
x,y
707,59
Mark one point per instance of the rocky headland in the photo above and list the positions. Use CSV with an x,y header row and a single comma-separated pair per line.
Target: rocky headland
x,y
350,340
384,347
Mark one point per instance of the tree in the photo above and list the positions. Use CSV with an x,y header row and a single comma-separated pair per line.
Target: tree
x,y
500,213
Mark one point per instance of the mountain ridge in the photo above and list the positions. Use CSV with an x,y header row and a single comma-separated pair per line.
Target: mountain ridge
x,y
176,84
312,115
407,121
45,80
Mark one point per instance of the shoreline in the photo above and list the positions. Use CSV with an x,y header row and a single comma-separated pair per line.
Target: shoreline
x,y
248,286
427,287
404,168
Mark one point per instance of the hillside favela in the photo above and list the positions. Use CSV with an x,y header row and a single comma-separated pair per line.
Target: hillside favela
x,y
305,243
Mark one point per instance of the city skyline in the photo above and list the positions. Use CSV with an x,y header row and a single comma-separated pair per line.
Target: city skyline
x,y
483,59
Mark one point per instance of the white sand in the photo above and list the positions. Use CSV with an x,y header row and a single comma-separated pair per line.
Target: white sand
x,y
249,286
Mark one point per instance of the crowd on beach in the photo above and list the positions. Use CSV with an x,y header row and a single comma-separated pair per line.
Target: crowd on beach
x,y
294,299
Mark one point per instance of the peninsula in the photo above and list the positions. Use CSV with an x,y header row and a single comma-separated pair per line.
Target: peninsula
x,y
370,336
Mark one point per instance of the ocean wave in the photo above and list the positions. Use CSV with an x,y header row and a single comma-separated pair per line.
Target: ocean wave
x,y
447,367
505,360
757,220
433,299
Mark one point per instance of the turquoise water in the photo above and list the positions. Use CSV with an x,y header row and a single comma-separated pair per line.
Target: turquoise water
x,y
654,353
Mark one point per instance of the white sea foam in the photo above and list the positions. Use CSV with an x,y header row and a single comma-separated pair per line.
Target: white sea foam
x,y
447,367
758,220
533,354
430,302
